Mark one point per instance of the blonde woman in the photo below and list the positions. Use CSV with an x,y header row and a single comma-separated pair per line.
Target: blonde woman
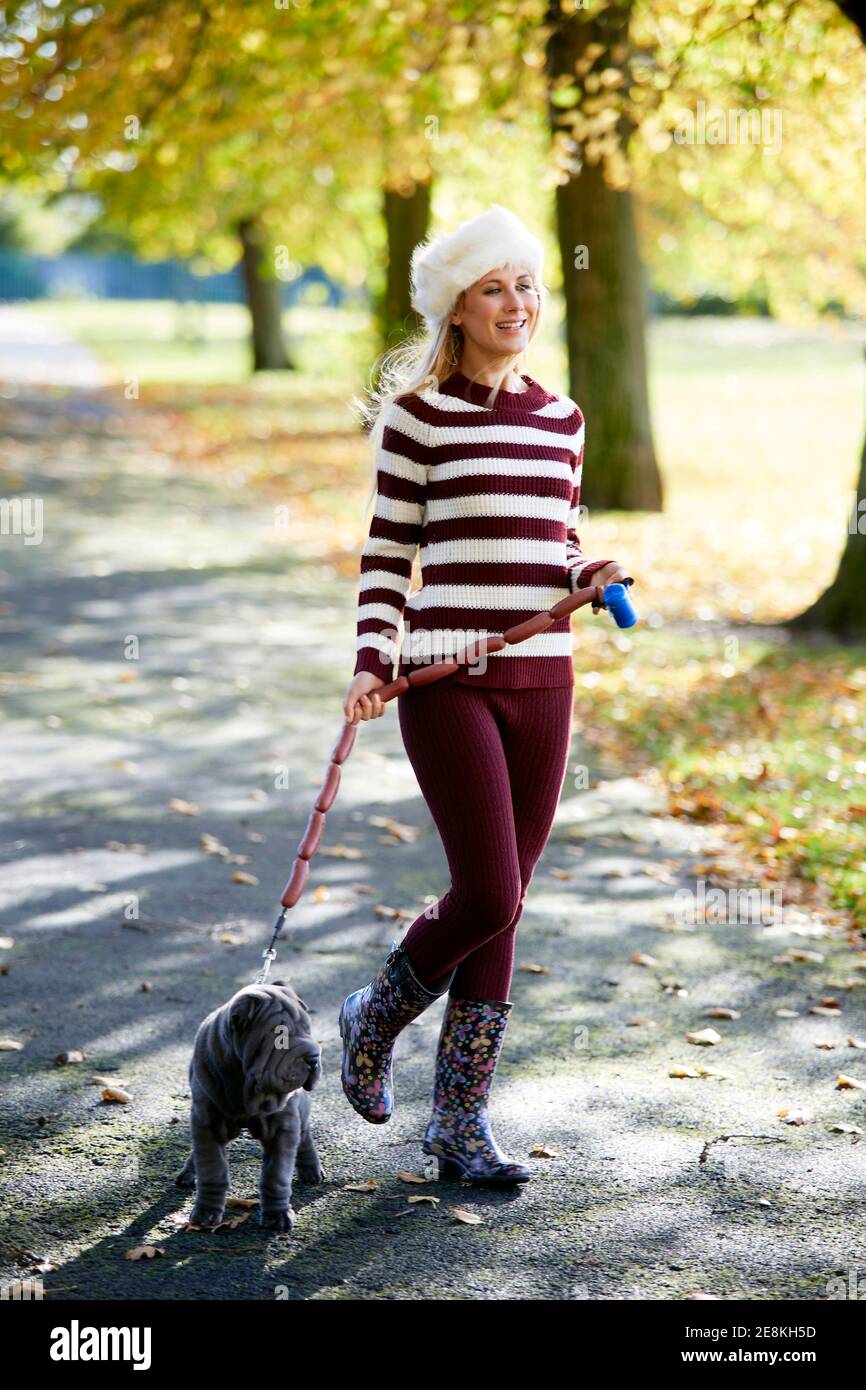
x,y
480,466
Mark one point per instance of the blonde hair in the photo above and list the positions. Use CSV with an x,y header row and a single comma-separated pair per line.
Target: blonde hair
x,y
426,360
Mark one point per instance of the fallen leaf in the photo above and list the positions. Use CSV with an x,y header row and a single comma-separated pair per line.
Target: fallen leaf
x,y
824,1011
849,1083
721,1013
321,894
411,1177
845,1129
564,874
469,1218
407,833
426,1197
706,1037
855,1042
242,877
544,1151
6,943
369,1186
637,1021
682,1073
796,1117
246,1202
531,969
656,871
235,1221
786,1013
144,1252
116,1094
211,845
10,1045
64,1058
640,958
343,852
184,808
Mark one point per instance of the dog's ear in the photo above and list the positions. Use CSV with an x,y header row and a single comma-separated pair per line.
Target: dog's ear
x,y
243,1010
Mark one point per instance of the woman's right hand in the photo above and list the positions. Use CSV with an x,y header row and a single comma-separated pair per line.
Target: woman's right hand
x,y
361,700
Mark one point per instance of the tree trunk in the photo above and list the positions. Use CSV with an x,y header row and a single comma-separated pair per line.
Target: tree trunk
x,y
264,300
841,609
604,291
855,10
407,218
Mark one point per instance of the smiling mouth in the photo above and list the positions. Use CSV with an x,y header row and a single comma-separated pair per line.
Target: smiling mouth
x,y
512,326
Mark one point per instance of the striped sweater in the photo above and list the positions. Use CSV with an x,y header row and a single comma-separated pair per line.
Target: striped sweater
x,y
491,497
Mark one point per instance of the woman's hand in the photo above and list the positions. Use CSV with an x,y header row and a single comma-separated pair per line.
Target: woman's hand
x,y
611,574
361,700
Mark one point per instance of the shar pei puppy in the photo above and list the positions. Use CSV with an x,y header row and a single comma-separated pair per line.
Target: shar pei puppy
x,y
253,1067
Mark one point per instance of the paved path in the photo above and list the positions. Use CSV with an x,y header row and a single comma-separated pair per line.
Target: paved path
x,y
230,628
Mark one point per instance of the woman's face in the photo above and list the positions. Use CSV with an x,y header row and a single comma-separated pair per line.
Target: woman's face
x,y
499,311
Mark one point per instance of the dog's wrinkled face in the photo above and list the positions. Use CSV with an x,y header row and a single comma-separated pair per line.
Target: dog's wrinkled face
x,y
270,1029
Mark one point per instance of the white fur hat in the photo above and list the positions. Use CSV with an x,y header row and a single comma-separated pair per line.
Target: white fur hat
x,y
442,266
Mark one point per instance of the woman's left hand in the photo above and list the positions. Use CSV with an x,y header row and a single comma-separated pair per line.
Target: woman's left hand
x,y
612,573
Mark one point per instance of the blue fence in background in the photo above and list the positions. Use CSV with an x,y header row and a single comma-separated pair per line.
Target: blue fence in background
x,y
123,277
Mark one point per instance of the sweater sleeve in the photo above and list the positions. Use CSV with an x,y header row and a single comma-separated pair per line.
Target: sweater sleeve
x,y
395,534
580,567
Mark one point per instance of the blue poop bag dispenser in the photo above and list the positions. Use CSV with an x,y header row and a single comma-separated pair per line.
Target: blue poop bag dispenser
x,y
618,603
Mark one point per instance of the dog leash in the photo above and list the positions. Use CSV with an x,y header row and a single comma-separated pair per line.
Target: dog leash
x,y
613,597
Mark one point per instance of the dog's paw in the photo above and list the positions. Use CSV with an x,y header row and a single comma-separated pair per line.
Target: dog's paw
x,y
186,1177
311,1172
207,1217
277,1220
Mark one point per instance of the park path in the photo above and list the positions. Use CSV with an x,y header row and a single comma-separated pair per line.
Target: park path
x,y
241,647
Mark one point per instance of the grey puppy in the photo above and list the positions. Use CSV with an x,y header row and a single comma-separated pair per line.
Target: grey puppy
x,y
253,1066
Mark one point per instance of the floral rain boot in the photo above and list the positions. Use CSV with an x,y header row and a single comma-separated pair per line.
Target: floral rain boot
x,y
370,1020
459,1130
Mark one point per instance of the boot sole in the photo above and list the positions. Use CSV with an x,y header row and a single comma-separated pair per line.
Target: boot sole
x,y
452,1169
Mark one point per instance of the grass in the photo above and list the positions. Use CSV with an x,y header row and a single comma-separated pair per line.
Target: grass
x,y
767,739
758,429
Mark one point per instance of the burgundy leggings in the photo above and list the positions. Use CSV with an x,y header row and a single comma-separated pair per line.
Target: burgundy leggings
x,y
490,764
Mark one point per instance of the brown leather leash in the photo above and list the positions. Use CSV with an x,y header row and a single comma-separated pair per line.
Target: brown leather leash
x,y
424,675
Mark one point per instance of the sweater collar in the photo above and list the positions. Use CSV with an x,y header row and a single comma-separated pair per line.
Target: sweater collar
x,y
507,402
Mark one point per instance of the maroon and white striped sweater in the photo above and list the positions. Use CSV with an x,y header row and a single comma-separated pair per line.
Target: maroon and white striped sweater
x,y
491,497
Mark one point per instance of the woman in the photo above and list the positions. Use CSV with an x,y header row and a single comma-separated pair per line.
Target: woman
x,y
481,467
